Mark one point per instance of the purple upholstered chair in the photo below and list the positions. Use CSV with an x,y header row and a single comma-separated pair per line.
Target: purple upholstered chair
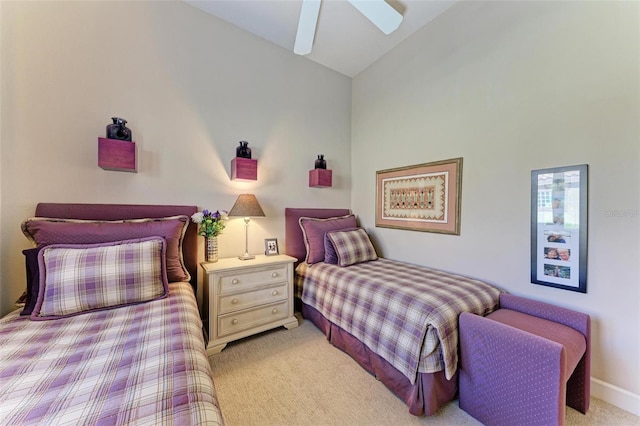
x,y
522,363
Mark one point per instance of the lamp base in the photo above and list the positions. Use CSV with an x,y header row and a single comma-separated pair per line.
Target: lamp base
x,y
246,256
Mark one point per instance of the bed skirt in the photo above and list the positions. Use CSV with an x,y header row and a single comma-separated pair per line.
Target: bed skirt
x,y
431,390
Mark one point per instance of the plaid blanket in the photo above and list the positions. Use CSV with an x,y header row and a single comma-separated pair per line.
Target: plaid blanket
x,y
406,314
136,365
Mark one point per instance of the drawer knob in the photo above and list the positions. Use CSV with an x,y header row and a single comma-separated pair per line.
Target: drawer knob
x,y
234,281
234,321
274,293
234,301
274,311
274,274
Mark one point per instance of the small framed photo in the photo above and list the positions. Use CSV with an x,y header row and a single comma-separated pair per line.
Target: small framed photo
x,y
271,246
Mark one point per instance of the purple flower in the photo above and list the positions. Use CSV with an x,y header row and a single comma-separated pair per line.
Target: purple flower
x,y
210,223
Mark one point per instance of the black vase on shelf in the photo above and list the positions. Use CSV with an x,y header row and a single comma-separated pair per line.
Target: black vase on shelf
x,y
118,130
243,151
321,163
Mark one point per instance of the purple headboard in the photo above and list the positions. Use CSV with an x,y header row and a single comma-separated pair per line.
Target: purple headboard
x,y
131,211
294,244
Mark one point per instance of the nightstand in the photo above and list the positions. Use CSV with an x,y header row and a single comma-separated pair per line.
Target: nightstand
x,y
245,297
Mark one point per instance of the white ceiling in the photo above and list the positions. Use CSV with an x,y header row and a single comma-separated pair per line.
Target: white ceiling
x,y
345,40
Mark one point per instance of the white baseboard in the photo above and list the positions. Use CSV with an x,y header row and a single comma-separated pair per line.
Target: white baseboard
x,y
614,395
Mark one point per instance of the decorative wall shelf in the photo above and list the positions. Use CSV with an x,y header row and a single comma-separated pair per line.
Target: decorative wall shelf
x,y
244,168
117,155
320,178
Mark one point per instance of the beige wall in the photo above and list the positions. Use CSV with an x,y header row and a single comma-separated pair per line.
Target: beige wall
x,y
191,86
513,87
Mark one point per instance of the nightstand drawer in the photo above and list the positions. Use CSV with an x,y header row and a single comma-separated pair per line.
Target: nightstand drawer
x,y
239,301
233,323
249,278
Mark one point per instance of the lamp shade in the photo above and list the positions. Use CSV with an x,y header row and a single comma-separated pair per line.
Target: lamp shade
x,y
246,206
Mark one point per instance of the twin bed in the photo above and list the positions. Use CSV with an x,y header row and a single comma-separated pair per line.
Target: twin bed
x,y
133,354
104,344
398,321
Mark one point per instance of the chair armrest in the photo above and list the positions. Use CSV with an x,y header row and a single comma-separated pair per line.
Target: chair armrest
x,y
481,336
570,318
503,368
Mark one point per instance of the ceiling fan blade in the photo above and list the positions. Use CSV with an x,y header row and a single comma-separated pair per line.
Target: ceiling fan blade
x,y
380,13
306,27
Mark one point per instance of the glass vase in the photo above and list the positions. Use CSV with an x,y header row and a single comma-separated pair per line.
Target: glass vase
x,y
321,163
211,249
243,150
118,130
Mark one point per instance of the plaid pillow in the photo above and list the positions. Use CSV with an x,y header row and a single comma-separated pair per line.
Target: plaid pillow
x,y
352,246
80,278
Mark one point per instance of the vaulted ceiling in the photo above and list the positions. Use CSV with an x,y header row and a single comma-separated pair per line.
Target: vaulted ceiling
x,y
345,40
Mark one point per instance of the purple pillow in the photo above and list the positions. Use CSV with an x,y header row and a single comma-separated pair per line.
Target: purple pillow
x,y
33,279
47,231
73,279
313,231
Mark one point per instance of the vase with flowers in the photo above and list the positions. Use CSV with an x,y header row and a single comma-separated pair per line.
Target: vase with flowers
x,y
210,225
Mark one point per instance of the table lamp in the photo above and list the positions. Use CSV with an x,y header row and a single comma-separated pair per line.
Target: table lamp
x,y
246,206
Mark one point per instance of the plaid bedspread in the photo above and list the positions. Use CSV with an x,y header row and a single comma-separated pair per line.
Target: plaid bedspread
x,y
134,365
406,314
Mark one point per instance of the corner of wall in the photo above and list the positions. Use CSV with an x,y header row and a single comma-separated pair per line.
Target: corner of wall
x,y
1,115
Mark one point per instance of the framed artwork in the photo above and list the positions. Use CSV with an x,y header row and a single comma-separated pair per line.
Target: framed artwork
x,y
424,197
559,227
271,246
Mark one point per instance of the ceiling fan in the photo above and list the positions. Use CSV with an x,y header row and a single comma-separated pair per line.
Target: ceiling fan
x,y
379,12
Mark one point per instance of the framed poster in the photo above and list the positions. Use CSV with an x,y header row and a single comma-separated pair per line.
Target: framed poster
x,y
424,197
559,227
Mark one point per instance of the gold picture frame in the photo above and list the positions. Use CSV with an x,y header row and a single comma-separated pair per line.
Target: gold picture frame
x,y
423,197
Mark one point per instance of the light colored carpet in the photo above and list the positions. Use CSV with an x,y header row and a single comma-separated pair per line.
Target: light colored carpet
x,y
296,377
